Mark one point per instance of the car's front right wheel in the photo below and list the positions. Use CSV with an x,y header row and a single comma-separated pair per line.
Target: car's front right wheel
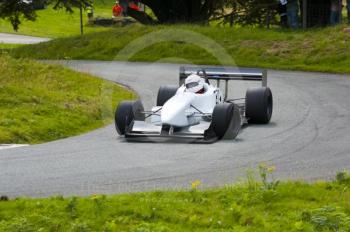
x,y
126,112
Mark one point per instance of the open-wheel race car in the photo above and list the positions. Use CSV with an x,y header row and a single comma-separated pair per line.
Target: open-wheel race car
x,y
197,109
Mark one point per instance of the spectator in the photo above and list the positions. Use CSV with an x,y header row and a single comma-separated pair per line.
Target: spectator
x,y
117,10
335,12
90,12
292,13
348,7
282,10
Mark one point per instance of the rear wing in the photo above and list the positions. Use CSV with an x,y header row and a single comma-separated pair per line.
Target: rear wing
x,y
225,73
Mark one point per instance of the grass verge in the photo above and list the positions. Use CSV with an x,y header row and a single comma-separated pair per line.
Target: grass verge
x,y
290,206
326,50
5,46
40,102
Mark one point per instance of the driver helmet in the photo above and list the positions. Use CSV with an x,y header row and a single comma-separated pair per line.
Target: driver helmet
x,y
194,84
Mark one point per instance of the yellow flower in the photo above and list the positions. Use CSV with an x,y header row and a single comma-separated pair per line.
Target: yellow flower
x,y
95,197
271,169
262,165
195,184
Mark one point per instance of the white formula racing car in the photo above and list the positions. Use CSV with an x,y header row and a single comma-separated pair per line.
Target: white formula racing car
x,y
197,109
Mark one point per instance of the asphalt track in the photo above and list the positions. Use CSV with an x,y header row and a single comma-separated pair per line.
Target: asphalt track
x,y
308,138
20,39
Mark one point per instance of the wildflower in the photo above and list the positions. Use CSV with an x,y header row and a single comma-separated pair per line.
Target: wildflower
x,y
95,197
262,165
271,169
195,184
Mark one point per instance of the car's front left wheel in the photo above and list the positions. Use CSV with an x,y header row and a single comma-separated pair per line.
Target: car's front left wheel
x,y
226,120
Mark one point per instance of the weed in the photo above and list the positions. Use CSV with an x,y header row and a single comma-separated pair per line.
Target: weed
x,y
267,178
343,178
329,218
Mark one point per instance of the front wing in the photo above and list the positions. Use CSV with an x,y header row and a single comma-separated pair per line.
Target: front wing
x,y
141,130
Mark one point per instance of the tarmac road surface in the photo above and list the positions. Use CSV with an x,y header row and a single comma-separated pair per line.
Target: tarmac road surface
x,y
20,39
308,138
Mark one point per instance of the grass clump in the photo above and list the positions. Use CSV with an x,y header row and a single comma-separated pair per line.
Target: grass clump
x,y
251,206
41,102
326,49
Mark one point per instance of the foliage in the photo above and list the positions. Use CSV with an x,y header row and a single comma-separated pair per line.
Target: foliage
x,y
328,218
181,11
68,5
53,23
14,10
343,177
252,12
42,102
296,206
245,12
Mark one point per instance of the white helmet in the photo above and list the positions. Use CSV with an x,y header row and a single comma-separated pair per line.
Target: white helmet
x,y
194,83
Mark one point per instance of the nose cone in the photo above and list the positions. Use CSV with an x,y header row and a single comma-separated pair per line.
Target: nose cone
x,y
174,110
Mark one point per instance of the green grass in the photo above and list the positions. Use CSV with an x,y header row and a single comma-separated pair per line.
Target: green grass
x,y
290,206
59,23
41,102
4,46
326,50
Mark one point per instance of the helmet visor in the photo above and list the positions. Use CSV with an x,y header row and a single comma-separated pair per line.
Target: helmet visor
x,y
191,85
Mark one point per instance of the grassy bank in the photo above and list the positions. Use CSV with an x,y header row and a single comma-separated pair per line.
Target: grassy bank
x,y
325,49
42,102
289,206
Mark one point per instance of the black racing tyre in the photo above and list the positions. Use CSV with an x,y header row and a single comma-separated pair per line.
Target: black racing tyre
x,y
126,112
165,93
221,118
259,105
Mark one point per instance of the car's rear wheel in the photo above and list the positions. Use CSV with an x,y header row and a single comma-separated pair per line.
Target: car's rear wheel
x,y
165,93
126,112
226,120
259,105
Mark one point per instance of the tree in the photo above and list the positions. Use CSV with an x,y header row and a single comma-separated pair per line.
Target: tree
x,y
14,10
245,12
180,11
254,12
